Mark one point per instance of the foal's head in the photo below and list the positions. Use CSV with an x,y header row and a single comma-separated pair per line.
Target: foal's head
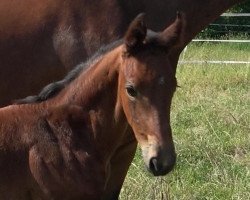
x,y
147,83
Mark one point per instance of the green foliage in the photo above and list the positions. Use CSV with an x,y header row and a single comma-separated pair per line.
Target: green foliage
x,y
217,32
241,8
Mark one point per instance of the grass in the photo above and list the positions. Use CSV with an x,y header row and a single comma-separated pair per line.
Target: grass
x,y
210,121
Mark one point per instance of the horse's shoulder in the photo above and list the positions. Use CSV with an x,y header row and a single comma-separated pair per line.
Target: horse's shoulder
x,y
72,115
70,124
58,132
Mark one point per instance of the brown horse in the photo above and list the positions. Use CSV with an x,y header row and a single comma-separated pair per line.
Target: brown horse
x,y
78,140
41,40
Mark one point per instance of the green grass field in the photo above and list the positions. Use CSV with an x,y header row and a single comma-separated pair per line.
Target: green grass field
x,y
210,121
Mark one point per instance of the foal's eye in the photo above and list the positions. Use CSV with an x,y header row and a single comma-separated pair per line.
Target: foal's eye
x,y
131,91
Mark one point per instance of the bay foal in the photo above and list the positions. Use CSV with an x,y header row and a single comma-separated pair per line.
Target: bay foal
x,y
77,138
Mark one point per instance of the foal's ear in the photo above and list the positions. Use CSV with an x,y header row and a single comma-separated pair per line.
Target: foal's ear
x,y
172,35
135,34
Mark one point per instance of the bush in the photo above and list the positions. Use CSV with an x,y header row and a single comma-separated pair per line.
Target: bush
x,y
224,31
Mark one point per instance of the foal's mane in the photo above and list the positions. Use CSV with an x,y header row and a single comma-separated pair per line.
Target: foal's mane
x,y
54,88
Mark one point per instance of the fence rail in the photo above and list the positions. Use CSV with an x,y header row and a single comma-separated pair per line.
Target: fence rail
x,y
208,40
183,61
231,25
235,15
201,62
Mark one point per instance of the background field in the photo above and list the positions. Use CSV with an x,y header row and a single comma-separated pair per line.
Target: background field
x,y
210,121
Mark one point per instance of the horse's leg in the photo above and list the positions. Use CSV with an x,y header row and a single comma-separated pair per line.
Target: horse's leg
x,y
119,165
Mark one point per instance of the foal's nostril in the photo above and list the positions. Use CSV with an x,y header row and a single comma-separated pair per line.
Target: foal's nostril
x,y
154,165
158,169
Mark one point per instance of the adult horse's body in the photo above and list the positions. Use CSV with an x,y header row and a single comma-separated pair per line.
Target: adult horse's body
x,y
78,142
41,40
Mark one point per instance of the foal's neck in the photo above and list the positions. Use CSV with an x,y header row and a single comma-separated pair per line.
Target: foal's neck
x,y
99,81
96,91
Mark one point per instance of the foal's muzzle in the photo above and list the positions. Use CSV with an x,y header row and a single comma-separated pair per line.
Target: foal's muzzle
x,y
157,168
159,161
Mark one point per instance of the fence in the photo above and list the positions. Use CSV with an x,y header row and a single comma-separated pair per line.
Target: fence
x,y
183,61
